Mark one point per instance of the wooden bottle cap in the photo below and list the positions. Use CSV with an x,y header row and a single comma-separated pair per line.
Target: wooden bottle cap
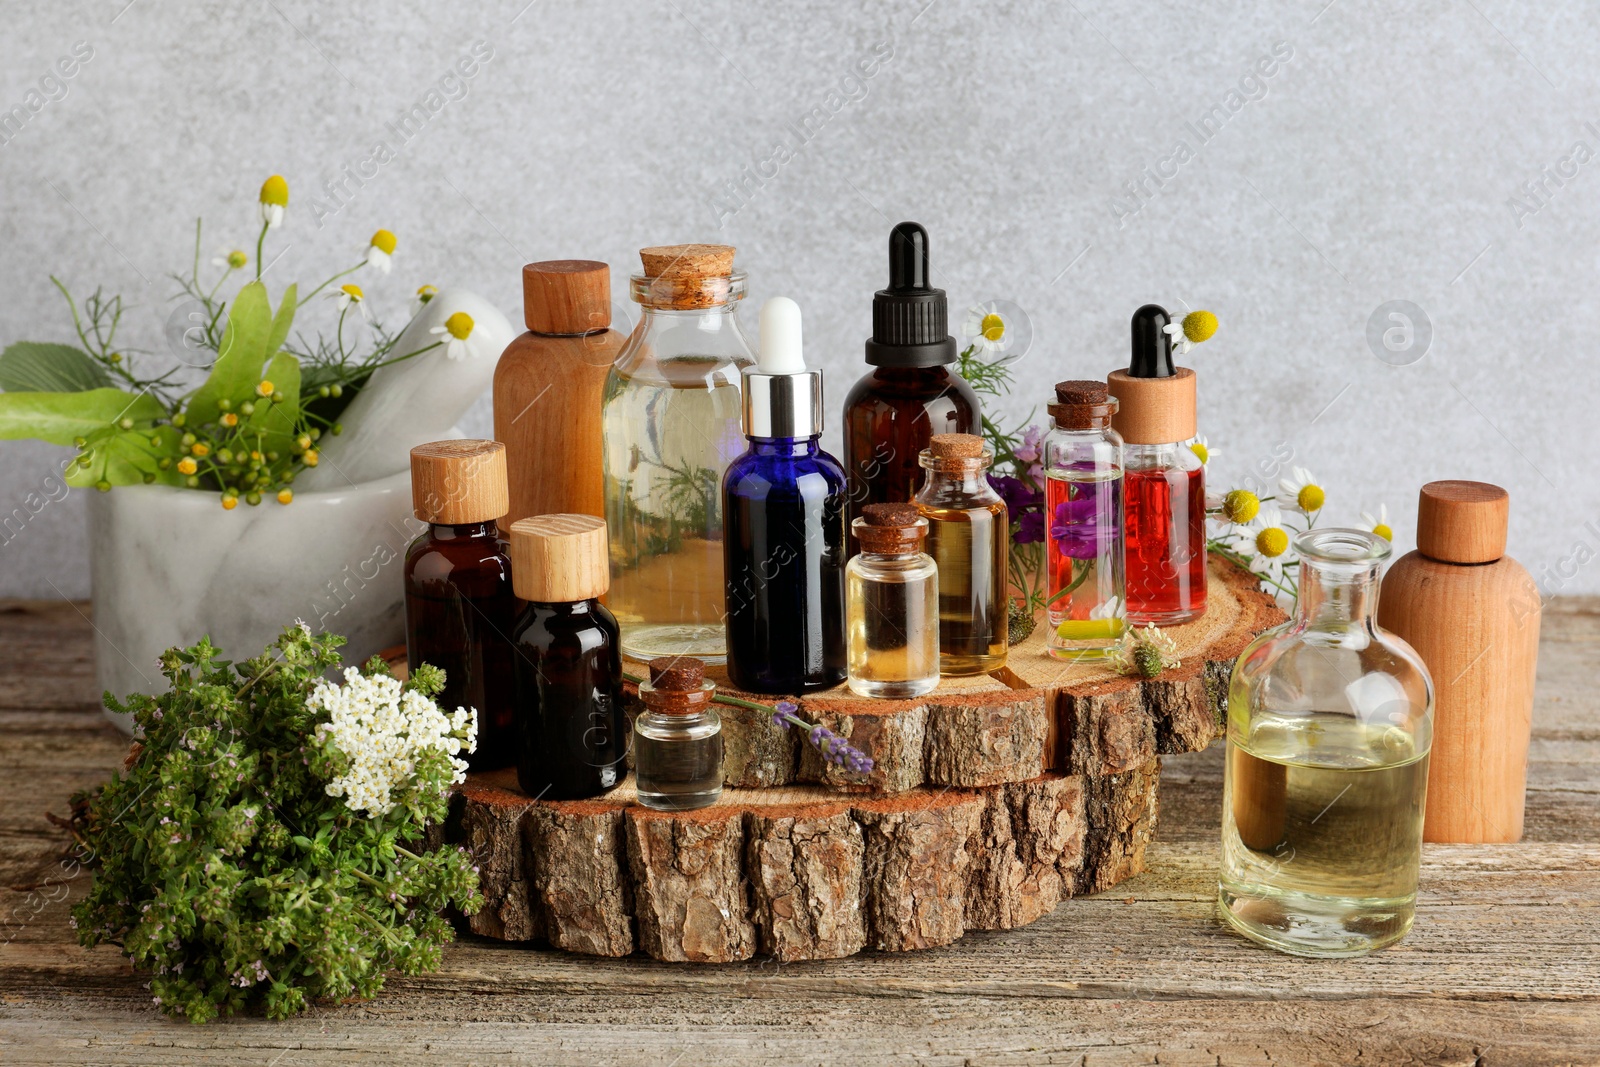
x,y
1153,411
566,296
559,559
1462,522
890,528
687,261
455,482
1082,405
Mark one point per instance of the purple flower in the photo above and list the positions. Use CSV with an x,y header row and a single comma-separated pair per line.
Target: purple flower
x,y
1028,452
831,746
1025,505
1076,526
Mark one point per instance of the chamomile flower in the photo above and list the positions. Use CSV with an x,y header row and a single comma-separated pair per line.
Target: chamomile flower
x,y
1202,448
1147,652
352,294
1305,495
455,334
231,259
1379,523
379,249
1240,506
986,328
1267,541
274,201
1195,327
426,293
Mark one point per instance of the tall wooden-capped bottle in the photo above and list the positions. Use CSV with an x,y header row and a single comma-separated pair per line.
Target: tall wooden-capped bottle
x,y
1472,613
548,387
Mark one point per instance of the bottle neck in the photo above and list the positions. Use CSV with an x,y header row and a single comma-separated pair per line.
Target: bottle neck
x,y
788,447
566,607
463,531
1337,595
972,482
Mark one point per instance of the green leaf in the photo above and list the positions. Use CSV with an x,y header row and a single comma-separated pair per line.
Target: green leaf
x,y
282,321
59,417
127,456
239,359
44,367
276,422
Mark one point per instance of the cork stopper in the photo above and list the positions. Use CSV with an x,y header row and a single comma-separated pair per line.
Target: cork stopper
x,y
1153,411
456,482
683,277
688,261
955,452
1462,522
1082,405
890,528
559,559
677,686
566,296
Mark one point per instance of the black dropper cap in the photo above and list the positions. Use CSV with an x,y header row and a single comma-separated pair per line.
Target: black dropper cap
x,y
1152,344
910,319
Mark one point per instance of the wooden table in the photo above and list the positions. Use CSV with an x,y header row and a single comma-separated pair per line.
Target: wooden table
x,y
1503,966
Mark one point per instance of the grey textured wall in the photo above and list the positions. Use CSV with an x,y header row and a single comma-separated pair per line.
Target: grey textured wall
x,y
1435,152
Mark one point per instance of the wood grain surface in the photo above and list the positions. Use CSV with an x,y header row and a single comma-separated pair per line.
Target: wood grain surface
x,y
1501,968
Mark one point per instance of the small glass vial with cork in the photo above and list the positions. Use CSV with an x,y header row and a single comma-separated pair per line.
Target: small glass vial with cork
x,y
677,739
969,538
892,605
572,732
460,605
1083,523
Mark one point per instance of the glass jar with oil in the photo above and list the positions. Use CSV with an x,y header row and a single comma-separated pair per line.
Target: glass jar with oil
x,y
1330,720
969,538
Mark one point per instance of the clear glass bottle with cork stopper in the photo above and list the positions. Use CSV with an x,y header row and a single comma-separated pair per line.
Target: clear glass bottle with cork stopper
x,y
548,388
1083,522
911,392
460,604
969,538
572,733
677,739
671,423
1164,485
892,605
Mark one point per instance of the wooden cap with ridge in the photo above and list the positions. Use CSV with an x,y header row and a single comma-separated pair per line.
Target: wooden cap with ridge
x,y
1462,522
566,297
559,559
454,482
1153,411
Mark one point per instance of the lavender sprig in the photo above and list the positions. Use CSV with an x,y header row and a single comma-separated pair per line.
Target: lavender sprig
x,y
833,748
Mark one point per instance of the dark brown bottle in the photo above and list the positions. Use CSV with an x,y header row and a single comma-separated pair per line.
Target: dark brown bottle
x,y
460,605
911,393
572,735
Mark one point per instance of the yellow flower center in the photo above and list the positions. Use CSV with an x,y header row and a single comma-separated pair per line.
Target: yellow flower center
x,y
1241,505
459,325
353,292
275,191
1199,326
1199,449
993,327
1310,498
237,259
1383,531
384,242
1272,542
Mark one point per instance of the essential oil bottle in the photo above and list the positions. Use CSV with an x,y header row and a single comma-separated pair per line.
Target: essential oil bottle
x,y
677,739
572,734
892,612
460,605
1164,487
783,525
670,425
911,393
1083,523
969,538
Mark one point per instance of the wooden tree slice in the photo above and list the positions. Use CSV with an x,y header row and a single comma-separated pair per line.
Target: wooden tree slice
x,y
802,872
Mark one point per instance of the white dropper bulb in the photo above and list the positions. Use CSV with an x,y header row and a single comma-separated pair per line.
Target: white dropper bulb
x,y
780,338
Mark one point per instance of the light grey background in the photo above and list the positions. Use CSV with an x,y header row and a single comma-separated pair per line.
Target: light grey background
x,y
1379,162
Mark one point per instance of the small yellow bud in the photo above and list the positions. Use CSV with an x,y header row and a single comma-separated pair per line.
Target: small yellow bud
x,y
275,191
285,495
229,419
426,293
187,466
265,388
229,502
237,259
310,457
200,448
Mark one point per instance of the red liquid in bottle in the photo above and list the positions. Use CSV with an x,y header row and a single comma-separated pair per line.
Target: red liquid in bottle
x,y
1165,556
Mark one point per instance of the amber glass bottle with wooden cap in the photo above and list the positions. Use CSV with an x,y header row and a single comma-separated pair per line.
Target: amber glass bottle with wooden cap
x,y
969,538
548,387
460,605
1472,613
572,735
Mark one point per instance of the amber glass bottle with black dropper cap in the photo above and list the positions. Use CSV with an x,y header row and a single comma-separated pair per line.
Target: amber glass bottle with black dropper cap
x,y
911,393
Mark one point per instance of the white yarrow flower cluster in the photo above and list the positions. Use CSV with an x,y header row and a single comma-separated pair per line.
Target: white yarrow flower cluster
x,y
384,729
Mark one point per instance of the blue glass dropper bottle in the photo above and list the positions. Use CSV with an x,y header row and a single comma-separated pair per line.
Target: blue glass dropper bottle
x,y
783,505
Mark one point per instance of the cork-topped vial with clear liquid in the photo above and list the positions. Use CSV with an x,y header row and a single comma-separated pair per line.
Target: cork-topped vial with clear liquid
x,y
969,538
891,605
677,739
671,423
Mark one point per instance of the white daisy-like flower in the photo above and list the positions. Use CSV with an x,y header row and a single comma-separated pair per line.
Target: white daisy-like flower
x,y
1180,343
1304,493
1268,541
231,259
380,249
1195,327
1202,448
1379,523
274,201
352,294
456,333
986,328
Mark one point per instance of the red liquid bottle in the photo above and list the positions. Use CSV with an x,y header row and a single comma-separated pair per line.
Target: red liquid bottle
x,y
1164,505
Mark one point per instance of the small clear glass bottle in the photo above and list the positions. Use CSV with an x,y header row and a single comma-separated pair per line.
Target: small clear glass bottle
x,y
969,538
677,739
670,425
1083,523
1330,722
891,605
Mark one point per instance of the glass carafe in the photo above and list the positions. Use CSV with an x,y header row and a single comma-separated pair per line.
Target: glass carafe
x,y
1330,720
671,424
